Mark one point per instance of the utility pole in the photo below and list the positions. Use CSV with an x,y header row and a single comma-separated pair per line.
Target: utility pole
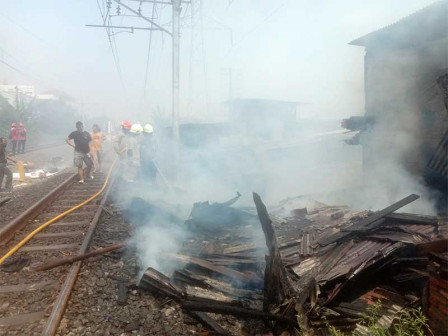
x,y
175,34
176,44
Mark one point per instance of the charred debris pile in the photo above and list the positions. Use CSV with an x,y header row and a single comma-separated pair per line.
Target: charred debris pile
x,y
318,266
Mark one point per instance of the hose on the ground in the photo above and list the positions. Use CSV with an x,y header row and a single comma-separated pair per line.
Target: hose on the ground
x,y
54,219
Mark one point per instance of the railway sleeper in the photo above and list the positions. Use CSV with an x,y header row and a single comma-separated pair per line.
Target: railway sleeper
x,y
61,224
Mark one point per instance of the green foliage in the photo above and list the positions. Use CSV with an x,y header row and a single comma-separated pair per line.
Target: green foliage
x,y
333,330
45,120
409,323
52,118
370,319
8,115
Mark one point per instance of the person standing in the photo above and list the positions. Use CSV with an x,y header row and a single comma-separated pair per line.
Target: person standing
x,y
133,153
96,147
21,138
120,141
147,155
14,137
4,170
81,154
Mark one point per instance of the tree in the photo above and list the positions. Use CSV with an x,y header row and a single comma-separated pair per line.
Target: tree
x,y
8,115
51,119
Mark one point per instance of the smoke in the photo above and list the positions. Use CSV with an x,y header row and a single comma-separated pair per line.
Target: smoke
x,y
156,239
280,158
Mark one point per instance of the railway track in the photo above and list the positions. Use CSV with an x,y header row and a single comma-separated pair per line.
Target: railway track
x,y
33,303
42,147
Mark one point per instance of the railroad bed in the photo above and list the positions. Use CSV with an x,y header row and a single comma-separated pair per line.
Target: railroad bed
x,y
33,303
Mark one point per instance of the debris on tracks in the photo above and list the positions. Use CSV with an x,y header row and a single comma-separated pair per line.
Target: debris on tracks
x,y
303,271
79,257
4,200
16,264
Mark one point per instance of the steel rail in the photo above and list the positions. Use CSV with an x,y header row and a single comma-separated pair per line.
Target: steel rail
x,y
8,231
52,324
43,146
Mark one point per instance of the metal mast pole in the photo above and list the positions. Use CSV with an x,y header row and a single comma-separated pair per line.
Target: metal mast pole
x,y
176,38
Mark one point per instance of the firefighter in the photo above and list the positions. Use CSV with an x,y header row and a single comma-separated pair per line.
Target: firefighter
x,y
133,152
13,135
121,139
21,138
147,155
4,170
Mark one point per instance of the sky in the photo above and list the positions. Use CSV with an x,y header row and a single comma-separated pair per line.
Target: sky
x,y
292,50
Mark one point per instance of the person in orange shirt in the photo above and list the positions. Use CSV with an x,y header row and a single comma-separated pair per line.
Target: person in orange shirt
x,y
96,147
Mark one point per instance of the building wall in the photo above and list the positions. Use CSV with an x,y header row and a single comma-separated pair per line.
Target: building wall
x,y
403,96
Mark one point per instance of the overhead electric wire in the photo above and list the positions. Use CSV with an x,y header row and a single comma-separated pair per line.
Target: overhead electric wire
x,y
149,51
204,55
13,68
24,28
106,19
253,29
27,75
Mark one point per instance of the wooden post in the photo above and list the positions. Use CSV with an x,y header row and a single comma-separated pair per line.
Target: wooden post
x,y
277,286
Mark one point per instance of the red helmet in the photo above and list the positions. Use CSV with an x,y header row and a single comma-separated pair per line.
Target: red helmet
x,y
21,125
126,124
13,125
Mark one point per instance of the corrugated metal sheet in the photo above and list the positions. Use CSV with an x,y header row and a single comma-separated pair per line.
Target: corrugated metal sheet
x,y
439,161
355,257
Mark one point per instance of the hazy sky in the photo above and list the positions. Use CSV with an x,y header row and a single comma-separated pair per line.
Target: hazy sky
x,y
291,50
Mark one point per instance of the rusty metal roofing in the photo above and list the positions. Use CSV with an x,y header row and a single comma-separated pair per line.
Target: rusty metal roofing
x,y
359,257
346,258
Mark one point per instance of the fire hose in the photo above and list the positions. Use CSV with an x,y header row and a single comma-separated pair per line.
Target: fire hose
x,y
54,219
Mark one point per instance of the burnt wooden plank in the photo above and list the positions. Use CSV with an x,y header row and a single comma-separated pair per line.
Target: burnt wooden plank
x,y
210,322
364,223
210,266
155,281
412,218
225,308
4,200
370,222
276,283
240,248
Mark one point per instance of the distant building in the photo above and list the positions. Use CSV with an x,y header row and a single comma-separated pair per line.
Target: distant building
x,y
264,118
46,96
406,81
17,94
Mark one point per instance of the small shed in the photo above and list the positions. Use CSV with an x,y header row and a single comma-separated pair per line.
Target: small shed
x,y
264,118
